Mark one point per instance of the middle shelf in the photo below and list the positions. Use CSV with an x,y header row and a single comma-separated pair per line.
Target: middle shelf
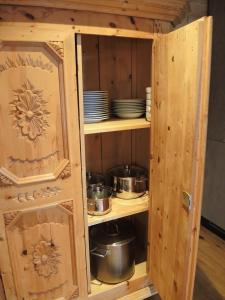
x,y
122,208
116,125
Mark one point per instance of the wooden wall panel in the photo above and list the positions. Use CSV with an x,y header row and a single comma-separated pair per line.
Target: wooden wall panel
x,y
115,66
141,147
84,18
116,149
93,152
160,10
141,67
90,56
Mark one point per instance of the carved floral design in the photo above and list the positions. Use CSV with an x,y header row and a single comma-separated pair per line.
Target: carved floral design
x,y
58,47
66,171
68,205
45,258
36,194
75,294
9,217
5,181
28,110
25,61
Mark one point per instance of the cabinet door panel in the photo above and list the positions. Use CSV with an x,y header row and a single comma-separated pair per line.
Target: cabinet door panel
x,y
179,123
34,140
42,252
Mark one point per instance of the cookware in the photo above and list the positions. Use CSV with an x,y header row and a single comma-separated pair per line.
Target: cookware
x,y
128,182
112,251
93,178
99,200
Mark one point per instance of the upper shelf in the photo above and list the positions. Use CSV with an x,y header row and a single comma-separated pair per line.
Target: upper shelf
x,y
116,125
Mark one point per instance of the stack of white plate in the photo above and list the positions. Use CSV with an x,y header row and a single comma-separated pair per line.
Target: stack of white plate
x,y
128,108
148,102
96,106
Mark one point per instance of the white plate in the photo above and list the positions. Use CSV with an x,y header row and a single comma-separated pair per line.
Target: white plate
x,y
128,100
130,104
96,104
94,92
95,115
93,99
129,111
129,115
91,120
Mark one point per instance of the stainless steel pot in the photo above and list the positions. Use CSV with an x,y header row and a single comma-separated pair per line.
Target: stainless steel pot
x,y
112,252
128,182
93,178
99,200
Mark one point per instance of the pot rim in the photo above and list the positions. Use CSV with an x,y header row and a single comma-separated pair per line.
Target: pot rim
x,y
113,245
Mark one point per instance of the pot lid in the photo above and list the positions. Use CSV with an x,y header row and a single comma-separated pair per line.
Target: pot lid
x,y
93,178
112,233
127,171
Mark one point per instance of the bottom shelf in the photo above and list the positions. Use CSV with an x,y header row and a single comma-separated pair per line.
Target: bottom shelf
x,y
138,281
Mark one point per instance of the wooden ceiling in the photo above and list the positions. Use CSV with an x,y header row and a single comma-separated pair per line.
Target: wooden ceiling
x,y
167,10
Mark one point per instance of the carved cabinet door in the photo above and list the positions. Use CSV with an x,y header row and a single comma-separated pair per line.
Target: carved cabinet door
x,y
41,210
42,252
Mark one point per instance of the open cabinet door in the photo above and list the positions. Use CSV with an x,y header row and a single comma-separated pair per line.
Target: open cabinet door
x,y
179,126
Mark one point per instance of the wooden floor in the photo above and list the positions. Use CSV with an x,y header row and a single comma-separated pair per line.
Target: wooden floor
x,y
210,274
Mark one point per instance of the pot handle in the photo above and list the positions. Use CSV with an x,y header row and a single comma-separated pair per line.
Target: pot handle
x,y
94,252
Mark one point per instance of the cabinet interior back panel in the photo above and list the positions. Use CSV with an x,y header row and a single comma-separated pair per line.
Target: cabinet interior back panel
x,y
121,66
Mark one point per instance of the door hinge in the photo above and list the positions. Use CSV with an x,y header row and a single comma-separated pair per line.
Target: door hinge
x,y
187,200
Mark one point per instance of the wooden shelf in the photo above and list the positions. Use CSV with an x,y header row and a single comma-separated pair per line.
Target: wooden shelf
x,y
116,125
139,279
121,208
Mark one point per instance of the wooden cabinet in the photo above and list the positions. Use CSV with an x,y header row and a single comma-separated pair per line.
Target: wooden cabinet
x,y
47,149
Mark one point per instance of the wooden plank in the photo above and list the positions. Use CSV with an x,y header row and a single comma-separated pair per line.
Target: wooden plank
x,y
115,66
103,291
175,168
122,208
80,18
141,147
82,147
163,10
90,58
116,149
116,125
93,152
141,67
26,28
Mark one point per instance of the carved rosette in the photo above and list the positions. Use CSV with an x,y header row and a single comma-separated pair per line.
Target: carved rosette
x,y
45,258
75,294
5,181
28,110
66,171
9,217
67,205
58,47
